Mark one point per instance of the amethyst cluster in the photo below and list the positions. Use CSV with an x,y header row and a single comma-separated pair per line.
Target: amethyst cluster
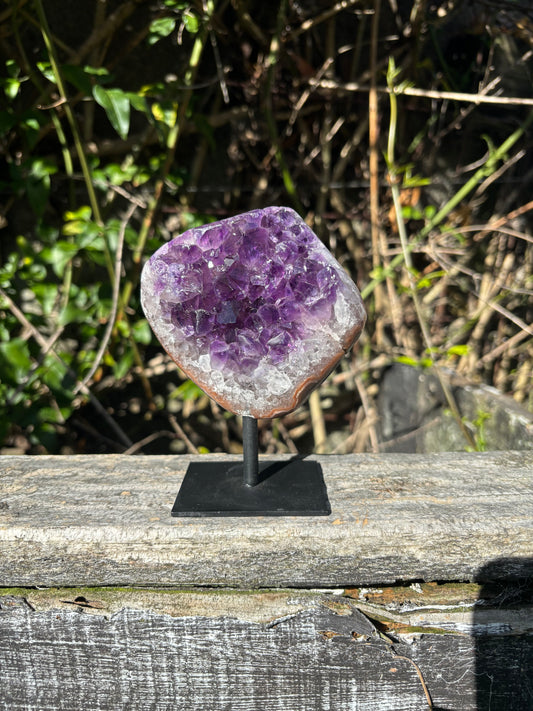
x,y
253,308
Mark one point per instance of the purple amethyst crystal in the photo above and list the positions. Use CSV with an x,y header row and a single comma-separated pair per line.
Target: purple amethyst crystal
x,y
254,309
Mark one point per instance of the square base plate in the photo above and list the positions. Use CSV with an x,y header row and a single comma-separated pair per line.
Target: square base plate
x,y
293,488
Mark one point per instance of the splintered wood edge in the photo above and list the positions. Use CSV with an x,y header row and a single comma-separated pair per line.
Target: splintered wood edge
x,y
105,520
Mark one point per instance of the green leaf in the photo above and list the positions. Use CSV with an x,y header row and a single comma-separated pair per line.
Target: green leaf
x,y
461,349
77,77
138,102
165,113
162,27
83,213
72,314
96,71
187,391
46,70
116,104
74,227
407,361
59,255
411,213
118,174
426,280
13,69
17,360
91,237
46,294
55,374
11,87
377,273
414,181
191,22
141,331
123,366
42,169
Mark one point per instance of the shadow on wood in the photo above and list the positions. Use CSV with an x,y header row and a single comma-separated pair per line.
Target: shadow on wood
x,y
504,659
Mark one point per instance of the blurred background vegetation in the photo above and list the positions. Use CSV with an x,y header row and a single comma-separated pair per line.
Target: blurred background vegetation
x,y
400,130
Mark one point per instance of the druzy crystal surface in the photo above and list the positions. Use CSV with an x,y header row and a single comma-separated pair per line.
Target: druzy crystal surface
x,y
253,308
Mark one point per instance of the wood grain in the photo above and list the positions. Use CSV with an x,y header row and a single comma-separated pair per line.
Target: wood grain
x,y
105,520
315,660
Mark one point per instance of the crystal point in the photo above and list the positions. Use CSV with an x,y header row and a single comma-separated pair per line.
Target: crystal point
x,y
253,308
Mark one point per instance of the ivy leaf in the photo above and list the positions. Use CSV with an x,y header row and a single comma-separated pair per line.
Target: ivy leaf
x,y
116,104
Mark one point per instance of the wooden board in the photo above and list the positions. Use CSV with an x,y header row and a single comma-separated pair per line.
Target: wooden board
x,y
320,658
105,520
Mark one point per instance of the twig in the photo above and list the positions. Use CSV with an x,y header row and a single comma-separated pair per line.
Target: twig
x,y
499,172
338,7
510,343
102,32
424,93
510,316
147,440
369,414
419,674
114,302
11,10
305,96
484,230
30,17
272,60
325,142
373,129
293,449
379,246
220,68
492,226
317,422
181,434
248,24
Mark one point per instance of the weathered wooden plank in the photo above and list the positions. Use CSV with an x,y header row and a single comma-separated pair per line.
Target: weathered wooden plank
x,y
313,660
105,520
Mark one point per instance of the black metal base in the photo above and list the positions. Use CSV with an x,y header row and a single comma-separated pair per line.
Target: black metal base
x,y
293,488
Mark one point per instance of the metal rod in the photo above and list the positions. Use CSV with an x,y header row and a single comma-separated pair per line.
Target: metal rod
x,y
250,451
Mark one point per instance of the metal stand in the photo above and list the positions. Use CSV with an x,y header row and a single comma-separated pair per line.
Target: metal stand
x,y
250,457
252,488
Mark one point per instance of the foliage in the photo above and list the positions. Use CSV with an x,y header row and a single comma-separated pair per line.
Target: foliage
x,y
121,126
